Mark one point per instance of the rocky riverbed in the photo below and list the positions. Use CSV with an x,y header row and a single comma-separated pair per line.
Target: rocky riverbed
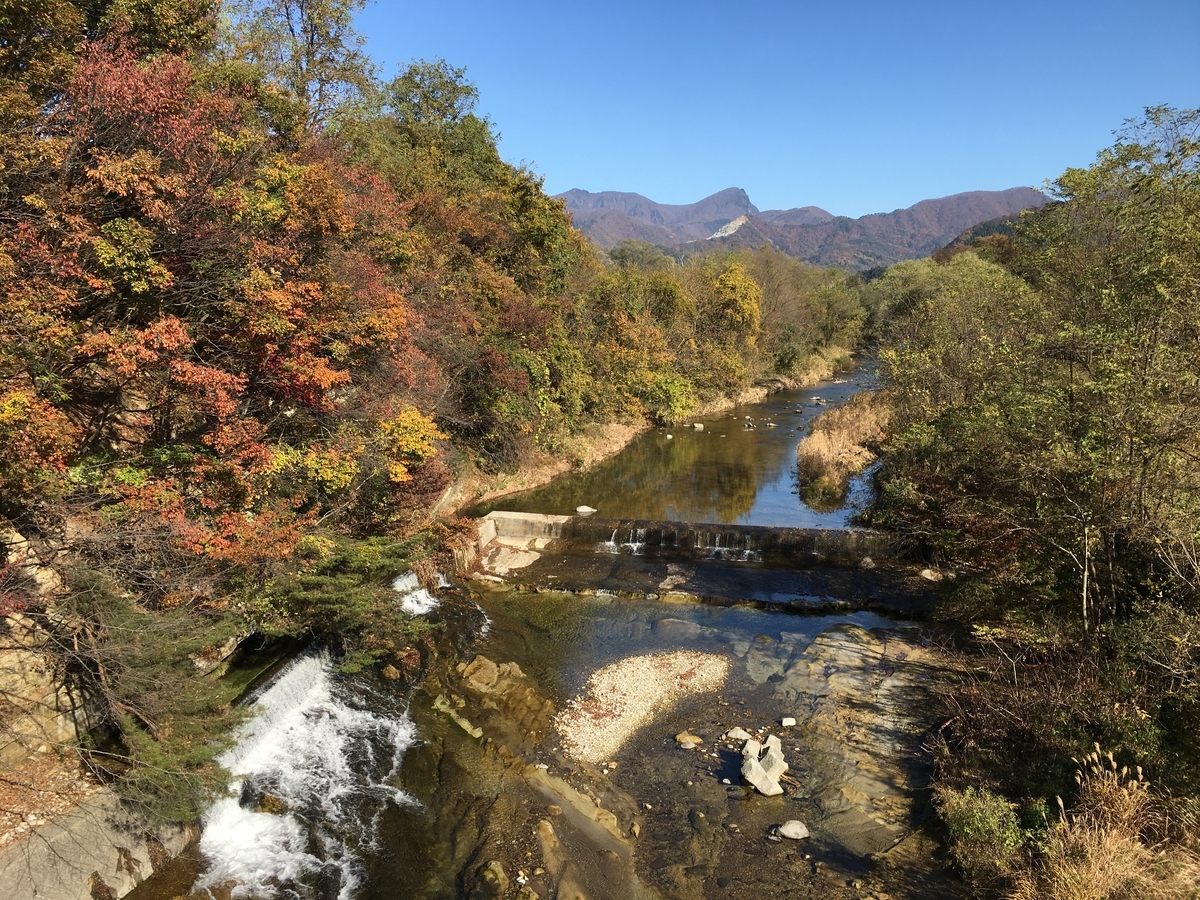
x,y
665,812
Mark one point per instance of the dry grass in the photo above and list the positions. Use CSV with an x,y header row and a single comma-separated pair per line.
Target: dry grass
x,y
1113,844
840,445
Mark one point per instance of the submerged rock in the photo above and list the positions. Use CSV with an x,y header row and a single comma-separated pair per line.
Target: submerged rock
x,y
441,704
482,674
490,881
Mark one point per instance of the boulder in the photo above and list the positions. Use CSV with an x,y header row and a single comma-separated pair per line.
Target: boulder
x,y
737,733
764,774
754,773
794,829
772,761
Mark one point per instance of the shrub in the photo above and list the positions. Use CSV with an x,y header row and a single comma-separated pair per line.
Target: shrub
x,y
984,833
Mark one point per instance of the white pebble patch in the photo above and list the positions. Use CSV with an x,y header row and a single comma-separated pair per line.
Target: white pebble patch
x,y
624,696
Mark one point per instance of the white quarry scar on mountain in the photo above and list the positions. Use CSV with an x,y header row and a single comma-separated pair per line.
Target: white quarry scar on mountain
x,y
728,228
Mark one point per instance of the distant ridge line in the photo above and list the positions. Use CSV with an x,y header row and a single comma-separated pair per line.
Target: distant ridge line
x,y
808,233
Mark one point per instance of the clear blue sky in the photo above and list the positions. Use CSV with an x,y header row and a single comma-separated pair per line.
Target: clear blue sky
x,y
856,107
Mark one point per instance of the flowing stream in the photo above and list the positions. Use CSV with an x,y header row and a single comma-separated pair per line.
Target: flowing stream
x,y
345,789
740,469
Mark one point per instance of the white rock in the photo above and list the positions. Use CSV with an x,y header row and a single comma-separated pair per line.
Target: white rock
x,y
756,775
930,575
795,829
737,733
670,436
699,426
773,763
584,510
788,722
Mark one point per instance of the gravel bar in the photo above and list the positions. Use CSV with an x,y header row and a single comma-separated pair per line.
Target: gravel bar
x,y
624,696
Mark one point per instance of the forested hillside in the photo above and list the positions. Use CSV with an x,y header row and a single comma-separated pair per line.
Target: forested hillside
x,y
259,308
1045,450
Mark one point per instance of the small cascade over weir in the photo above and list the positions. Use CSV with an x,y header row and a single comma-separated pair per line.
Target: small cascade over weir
x,y
735,543
312,773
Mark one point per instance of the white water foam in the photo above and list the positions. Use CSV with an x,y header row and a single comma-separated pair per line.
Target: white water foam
x,y
635,546
328,763
414,599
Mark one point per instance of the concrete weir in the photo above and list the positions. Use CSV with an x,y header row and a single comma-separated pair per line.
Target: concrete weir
x,y
750,543
800,568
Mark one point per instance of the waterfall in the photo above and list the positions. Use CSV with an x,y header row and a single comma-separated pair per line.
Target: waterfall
x,y
609,546
635,545
328,764
414,599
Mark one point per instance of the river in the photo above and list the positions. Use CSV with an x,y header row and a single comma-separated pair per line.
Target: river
x,y
740,469
473,784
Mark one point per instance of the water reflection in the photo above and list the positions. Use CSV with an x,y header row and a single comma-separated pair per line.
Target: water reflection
x,y
740,469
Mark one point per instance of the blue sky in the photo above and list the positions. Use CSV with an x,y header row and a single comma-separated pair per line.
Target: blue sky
x,y
855,107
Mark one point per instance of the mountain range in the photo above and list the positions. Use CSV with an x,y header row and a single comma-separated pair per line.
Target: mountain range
x,y
728,218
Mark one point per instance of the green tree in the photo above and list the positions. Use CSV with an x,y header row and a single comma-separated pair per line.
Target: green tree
x,y
308,49
639,255
1046,435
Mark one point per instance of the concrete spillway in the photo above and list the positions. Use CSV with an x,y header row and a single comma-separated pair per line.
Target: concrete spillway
x,y
697,540
801,568
749,543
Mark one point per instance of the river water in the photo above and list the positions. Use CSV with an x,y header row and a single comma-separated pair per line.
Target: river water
x,y
739,470
345,788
